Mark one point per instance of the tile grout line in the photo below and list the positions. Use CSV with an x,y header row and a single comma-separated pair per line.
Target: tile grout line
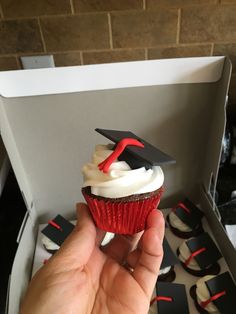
x,y
1,12
212,49
144,5
174,45
72,7
146,53
18,62
41,34
93,12
178,27
81,58
110,30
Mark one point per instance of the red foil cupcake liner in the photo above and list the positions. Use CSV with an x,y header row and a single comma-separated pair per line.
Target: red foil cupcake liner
x,y
127,217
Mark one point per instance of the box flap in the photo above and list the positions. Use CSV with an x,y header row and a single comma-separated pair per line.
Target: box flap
x,y
49,137
109,76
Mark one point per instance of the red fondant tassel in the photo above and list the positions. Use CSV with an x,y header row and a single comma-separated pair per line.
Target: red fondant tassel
x,y
194,254
213,298
105,165
160,298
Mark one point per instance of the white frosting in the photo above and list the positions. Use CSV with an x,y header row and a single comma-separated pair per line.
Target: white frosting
x,y
164,270
178,223
121,180
203,294
49,245
184,254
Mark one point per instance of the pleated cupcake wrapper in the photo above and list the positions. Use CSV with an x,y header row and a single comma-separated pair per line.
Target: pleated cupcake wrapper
x,y
122,217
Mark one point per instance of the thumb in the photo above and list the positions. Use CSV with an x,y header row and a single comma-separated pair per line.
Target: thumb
x,y
78,247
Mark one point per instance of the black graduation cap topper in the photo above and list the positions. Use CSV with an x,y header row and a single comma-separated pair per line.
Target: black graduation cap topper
x,y
58,229
169,258
204,250
134,150
171,298
222,290
189,213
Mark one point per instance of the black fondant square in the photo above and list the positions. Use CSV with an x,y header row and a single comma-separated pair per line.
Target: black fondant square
x,y
211,253
177,293
56,235
192,217
137,157
169,258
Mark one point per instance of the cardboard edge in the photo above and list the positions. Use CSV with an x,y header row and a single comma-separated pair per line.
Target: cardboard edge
x,y
212,169
4,172
88,77
224,243
7,296
22,267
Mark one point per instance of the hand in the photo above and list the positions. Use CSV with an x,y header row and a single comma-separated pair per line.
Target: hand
x,y
84,278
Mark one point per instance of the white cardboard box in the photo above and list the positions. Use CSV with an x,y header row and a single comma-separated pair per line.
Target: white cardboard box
x,y
48,117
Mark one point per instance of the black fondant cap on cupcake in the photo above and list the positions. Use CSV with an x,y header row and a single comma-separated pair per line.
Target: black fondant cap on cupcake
x,y
223,293
169,258
137,157
58,229
189,213
171,298
204,250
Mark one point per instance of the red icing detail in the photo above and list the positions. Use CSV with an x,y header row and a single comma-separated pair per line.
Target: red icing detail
x,y
160,298
213,298
54,224
105,165
194,254
45,261
186,209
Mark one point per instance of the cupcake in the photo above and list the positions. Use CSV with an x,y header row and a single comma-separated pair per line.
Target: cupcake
x,y
167,271
55,233
50,246
123,184
215,294
171,298
199,256
185,220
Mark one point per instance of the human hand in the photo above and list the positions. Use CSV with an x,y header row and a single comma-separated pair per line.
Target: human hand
x,y
83,277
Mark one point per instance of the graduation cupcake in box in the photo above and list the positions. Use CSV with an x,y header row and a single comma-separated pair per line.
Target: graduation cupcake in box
x,y
215,294
199,256
170,298
55,233
123,182
167,272
185,220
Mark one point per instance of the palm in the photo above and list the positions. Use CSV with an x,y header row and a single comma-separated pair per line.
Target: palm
x,y
82,278
119,292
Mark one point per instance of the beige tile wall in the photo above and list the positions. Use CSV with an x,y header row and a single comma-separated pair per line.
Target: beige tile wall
x,y
97,31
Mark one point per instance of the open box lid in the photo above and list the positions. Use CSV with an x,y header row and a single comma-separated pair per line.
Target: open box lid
x,y
48,117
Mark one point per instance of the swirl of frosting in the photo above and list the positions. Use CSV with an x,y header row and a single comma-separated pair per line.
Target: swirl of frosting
x,y
178,223
121,180
185,254
203,294
164,270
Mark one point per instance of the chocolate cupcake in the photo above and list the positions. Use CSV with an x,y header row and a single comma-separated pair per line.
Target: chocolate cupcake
x,y
199,256
55,233
167,274
49,245
123,184
167,271
185,220
171,298
215,294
